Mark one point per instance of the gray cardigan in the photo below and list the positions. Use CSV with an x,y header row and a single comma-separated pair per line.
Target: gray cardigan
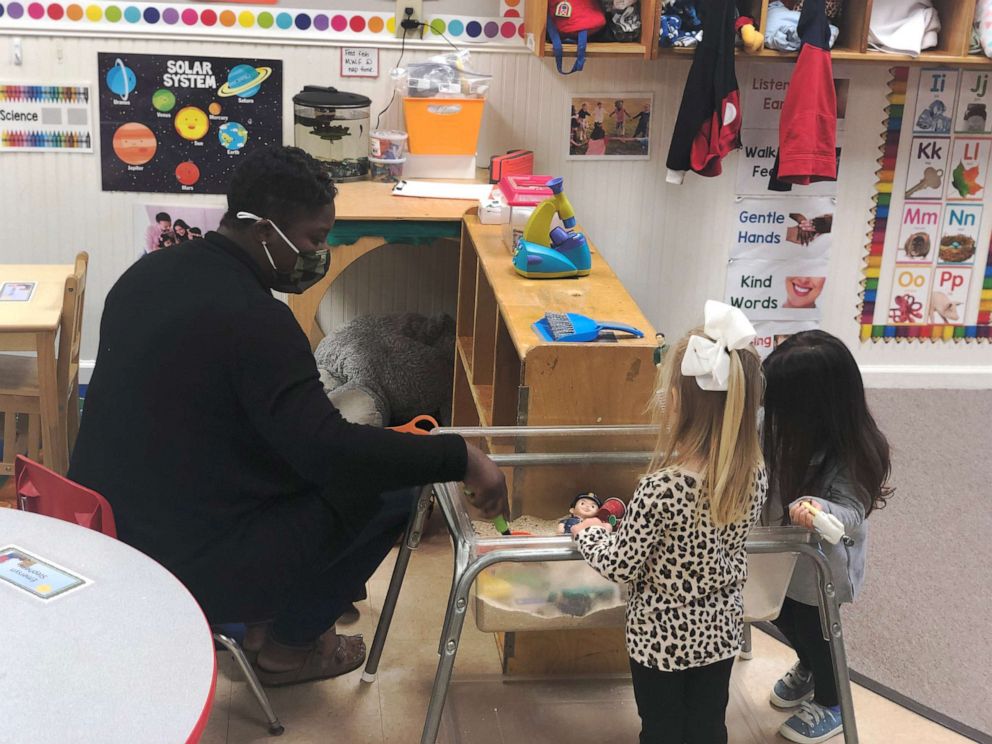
x,y
838,497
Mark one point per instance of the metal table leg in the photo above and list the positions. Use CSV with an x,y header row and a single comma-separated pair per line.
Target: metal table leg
x,y
411,540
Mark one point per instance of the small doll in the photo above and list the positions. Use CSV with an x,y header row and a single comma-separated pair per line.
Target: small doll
x,y
584,506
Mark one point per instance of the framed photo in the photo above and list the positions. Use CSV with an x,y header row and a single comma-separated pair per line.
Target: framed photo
x,y
609,126
16,291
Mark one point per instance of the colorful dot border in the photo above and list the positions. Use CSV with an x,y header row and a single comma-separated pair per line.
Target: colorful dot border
x,y
99,16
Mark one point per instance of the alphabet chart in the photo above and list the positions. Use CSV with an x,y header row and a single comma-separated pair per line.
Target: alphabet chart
x,y
927,273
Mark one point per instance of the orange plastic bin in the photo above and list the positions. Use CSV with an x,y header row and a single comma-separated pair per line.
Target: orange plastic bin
x,y
443,126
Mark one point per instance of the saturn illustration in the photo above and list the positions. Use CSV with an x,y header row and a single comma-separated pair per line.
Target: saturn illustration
x,y
244,81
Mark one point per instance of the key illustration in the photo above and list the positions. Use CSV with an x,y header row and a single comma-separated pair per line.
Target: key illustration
x,y
932,179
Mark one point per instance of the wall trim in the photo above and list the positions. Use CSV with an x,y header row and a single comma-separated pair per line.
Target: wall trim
x,y
928,376
902,376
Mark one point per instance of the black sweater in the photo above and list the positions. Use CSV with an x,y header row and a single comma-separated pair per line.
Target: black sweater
x,y
205,409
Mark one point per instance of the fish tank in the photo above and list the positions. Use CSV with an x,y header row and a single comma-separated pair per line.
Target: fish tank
x,y
333,126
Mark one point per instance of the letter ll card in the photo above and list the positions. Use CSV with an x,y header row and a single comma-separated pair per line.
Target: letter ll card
x,y
935,101
910,295
919,233
972,113
959,234
969,165
37,577
927,168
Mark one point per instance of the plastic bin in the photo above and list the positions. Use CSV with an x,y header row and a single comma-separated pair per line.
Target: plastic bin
x,y
443,126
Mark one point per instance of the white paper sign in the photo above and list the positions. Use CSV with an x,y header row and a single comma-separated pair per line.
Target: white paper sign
x,y
771,334
754,169
359,62
783,228
764,95
45,118
777,290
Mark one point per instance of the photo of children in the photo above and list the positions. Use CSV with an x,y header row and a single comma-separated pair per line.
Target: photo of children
x,y
158,227
610,127
16,291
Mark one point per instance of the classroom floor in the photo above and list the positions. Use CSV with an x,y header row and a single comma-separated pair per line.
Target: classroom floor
x,y
481,708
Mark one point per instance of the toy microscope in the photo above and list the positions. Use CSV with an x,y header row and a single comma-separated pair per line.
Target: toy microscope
x,y
544,252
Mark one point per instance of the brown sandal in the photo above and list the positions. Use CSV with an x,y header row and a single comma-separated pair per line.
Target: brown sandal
x,y
331,656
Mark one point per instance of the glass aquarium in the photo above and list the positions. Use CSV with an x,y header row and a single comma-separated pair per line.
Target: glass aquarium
x,y
333,126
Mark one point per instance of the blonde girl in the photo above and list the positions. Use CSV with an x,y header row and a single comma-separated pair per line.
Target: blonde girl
x,y
680,547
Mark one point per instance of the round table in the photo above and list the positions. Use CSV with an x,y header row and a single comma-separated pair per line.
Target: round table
x,y
127,658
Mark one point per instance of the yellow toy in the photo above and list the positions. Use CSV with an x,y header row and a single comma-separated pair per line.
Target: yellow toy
x,y
752,39
538,227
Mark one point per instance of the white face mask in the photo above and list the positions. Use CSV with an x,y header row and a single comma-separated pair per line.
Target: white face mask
x,y
309,268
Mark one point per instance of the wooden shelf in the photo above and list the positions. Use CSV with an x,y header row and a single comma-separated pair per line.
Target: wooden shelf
x,y
954,37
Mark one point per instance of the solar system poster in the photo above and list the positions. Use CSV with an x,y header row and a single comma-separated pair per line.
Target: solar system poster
x,y
181,124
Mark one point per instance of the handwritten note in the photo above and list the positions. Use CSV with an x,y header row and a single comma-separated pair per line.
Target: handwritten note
x,y
359,62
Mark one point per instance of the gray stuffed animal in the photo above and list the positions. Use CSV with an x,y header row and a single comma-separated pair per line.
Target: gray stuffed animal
x,y
384,370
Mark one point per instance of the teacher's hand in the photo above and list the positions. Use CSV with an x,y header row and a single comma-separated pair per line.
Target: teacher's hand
x,y
486,484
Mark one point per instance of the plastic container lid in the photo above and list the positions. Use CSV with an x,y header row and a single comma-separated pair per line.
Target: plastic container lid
x,y
318,96
389,134
380,161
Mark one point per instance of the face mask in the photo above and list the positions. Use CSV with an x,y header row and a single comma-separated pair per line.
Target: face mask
x,y
309,268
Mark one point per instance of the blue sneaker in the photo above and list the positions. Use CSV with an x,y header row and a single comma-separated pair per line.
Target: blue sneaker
x,y
812,724
794,688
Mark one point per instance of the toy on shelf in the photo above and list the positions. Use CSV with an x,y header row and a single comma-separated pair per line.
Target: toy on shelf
x,y
572,327
752,40
584,506
612,511
549,252
503,528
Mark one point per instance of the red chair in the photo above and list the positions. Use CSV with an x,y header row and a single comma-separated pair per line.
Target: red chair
x,y
43,491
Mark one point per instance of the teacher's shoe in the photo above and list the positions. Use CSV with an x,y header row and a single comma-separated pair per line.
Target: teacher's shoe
x,y
332,655
795,687
812,724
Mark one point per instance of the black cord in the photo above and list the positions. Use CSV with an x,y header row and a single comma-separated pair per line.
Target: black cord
x,y
393,97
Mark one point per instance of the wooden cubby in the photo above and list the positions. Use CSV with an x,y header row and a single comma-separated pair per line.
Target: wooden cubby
x,y
506,375
956,18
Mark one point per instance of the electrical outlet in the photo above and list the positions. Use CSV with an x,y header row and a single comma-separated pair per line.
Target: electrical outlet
x,y
416,13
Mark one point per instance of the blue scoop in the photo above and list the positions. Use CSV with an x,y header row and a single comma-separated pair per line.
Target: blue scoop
x,y
572,327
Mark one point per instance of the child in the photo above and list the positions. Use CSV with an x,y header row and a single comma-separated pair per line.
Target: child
x,y
822,446
620,115
680,547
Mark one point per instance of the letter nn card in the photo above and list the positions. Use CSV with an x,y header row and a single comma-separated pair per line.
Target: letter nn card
x,y
37,577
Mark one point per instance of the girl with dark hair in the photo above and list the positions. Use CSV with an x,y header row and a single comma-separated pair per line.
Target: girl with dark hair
x,y
181,230
822,447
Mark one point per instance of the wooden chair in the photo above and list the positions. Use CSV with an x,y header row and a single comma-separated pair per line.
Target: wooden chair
x,y
20,392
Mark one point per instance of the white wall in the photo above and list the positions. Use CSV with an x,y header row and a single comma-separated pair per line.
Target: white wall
x,y
667,243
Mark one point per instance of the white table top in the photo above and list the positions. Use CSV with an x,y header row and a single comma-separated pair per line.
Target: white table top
x,y
128,658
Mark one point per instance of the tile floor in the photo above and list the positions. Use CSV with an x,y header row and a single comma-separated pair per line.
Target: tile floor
x,y
482,708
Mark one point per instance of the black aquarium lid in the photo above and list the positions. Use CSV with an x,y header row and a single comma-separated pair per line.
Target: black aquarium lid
x,y
319,96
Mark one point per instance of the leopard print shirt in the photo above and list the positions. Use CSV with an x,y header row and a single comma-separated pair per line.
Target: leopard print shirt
x,y
684,575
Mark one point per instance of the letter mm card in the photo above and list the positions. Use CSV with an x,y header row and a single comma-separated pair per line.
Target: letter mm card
x,y
919,233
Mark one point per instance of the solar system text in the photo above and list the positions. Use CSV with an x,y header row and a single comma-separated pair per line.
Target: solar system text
x,y
181,73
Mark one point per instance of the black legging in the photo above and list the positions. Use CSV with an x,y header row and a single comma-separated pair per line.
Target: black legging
x,y
800,624
684,707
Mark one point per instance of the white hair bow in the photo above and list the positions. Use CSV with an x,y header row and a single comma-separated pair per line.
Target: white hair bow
x,y
709,361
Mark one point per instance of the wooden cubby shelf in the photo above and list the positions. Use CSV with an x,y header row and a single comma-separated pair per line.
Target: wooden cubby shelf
x,y
505,375
954,38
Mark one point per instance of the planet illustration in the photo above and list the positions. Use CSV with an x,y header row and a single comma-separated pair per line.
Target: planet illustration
x,y
191,123
214,108
187,173
121,79
134,143
244,81
233,135
163,100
